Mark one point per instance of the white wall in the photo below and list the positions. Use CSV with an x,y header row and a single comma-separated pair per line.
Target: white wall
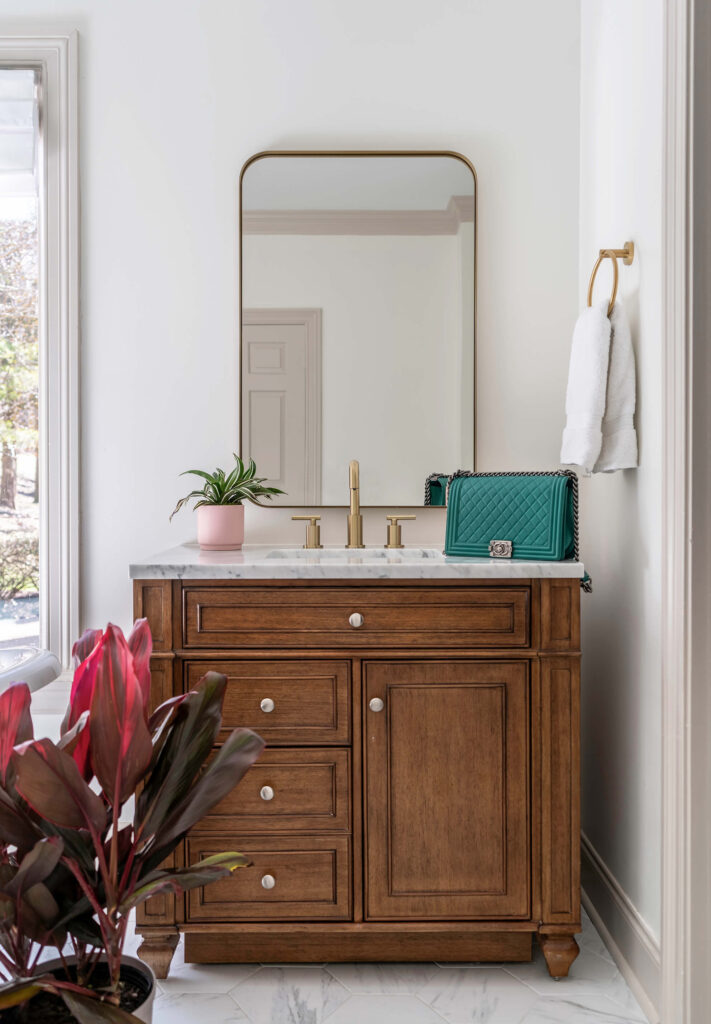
x,y
175,96
620,199
392,351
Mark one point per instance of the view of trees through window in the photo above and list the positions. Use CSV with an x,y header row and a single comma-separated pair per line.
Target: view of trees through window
x,y
19,364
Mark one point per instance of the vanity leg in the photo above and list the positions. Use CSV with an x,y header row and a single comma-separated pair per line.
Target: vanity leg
x,y
157,950
559,951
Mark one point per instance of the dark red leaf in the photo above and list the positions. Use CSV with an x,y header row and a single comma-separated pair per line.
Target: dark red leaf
x,y
80,701
85,645
15,827
15,722
239,751
186,743
36,865
120,742
49,780
140,644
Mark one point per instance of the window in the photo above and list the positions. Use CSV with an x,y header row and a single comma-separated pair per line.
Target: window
x,y
19,358
39,401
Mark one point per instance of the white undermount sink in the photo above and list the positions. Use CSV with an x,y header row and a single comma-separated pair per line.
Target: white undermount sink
x,y
349,554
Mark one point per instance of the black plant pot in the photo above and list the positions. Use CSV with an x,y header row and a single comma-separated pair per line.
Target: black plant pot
x,y
133,971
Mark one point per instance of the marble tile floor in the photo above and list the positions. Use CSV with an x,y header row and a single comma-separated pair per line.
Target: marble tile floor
x,y
594,993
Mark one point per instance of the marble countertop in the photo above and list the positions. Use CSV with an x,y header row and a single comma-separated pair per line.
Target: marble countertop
x,y
270,562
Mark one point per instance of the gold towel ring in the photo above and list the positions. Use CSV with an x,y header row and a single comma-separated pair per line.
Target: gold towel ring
x,y
626,255
616,275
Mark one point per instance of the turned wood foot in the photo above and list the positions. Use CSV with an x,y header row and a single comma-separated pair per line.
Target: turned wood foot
x,y
157,950
559,951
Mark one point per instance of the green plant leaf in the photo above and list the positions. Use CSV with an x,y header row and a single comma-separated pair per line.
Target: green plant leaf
x,y
210,869
241,484
18,991
209,477
88,1010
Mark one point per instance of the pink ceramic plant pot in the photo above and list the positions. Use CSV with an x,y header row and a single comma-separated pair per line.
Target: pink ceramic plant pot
x,y
220,527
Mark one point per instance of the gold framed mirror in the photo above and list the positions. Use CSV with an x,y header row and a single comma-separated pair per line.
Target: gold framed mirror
x,y
357,314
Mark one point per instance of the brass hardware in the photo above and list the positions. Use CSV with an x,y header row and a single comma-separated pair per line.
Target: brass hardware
x,y
359,154
313,531
267,705
376,704
395,531
266,793
626,255
355,519
268,881
356,620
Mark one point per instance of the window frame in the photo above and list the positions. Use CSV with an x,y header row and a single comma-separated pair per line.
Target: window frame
x,y
54,56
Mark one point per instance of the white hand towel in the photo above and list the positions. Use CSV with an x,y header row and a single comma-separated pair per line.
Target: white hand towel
x,y
619,438
587,388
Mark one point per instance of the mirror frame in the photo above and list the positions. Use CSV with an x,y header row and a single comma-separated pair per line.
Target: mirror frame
x,y
263,154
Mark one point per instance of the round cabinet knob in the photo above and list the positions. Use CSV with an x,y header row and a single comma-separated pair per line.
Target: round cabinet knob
x,y
356,620
376,704
266,793
267,705
268,881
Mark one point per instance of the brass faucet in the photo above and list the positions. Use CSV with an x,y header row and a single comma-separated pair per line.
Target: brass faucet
x,y
355,519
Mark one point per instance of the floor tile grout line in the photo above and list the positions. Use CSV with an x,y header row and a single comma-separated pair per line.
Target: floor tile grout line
x,y
431,1007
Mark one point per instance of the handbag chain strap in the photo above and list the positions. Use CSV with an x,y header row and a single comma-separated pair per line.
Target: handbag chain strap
x,y
586,581
428,486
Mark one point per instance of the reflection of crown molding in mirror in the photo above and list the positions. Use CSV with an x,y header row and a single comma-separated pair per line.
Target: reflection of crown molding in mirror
x,y
460,210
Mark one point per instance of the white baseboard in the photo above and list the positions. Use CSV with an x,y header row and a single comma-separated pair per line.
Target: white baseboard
x,y
626,934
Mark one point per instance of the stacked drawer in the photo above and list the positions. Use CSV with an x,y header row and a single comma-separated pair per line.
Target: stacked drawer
x,y
291,814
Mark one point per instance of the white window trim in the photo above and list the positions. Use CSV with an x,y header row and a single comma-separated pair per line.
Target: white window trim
x,y
55,56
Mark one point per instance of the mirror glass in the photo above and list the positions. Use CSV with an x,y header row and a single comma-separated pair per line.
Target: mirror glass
x,y
357,322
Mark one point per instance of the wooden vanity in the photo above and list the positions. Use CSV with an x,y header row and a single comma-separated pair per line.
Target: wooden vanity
x,y
419,795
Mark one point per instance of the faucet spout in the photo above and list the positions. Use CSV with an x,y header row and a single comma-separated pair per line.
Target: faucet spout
x,y
354,519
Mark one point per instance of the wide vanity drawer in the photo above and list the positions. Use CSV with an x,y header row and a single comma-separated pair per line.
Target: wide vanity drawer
x,y
301,878
305,702
288,790
235,616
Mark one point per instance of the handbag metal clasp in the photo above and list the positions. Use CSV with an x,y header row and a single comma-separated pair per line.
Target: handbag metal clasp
x,y
501,548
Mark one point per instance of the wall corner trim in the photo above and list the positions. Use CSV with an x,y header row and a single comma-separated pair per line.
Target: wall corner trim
x,y
626,934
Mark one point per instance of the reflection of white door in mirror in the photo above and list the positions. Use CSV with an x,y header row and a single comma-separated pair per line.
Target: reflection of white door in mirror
x,y
281,395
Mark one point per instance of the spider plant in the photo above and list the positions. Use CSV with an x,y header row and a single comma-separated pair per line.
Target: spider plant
x,y
221,488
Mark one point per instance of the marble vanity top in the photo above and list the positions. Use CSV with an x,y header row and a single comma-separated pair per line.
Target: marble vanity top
x,y
270,562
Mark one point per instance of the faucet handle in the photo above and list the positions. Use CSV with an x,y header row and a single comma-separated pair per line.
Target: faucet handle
x,y
395,530
313,531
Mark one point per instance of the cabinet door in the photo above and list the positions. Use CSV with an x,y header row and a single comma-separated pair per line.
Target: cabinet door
x,y
447,801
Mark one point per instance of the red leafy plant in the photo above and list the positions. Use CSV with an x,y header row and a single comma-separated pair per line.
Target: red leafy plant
x,y
61,806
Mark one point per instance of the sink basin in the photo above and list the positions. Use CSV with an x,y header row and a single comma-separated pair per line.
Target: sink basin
x,y
328,553
351,554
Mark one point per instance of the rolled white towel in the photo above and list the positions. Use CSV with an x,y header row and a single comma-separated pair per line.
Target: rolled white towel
x,y
587,387
619,438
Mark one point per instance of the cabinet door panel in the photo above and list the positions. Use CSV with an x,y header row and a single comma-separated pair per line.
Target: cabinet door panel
x,y
447,799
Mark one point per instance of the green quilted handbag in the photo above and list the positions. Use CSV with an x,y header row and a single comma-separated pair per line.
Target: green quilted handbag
x,y
513,515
